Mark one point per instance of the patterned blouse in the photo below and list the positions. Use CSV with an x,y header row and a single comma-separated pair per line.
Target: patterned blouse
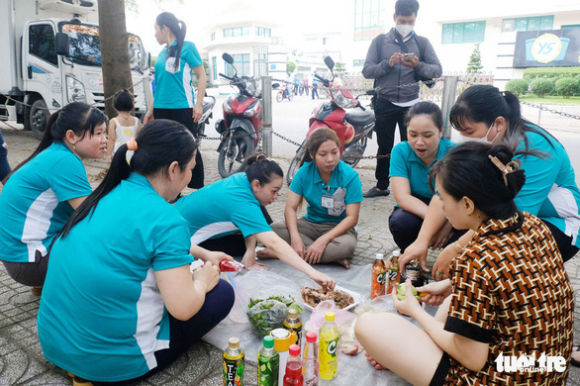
x,y
510,290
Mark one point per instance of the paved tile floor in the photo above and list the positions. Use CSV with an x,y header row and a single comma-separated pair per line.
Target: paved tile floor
x,y
21,359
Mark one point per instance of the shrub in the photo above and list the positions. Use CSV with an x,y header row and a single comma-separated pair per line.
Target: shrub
x,y
517,86
541,87
551,72
567,87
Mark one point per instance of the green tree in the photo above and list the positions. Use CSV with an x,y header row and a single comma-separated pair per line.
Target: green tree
x,y
474,63
339,67
290,67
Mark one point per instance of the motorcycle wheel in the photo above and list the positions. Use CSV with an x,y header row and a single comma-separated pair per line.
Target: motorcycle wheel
x,y
231,158
295,164
353,163
279,97
290,96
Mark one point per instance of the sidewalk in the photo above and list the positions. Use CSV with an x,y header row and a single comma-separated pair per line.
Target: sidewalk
x,y
21,359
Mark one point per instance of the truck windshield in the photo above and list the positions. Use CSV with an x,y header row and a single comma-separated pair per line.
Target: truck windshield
x,y
85,46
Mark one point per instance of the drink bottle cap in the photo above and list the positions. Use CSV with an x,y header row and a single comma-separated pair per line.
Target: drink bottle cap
x,y
292,313
234,343
294,350
197,264
397,253
329,316
379,256
311,337
268,341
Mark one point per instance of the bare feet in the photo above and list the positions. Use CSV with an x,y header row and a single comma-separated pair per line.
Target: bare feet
x,y
374,363
344,262
265,253
576,354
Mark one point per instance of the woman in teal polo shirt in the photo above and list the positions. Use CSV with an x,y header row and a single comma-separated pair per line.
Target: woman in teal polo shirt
x,y
174,93
483,113
333,192
42,192
218,213
120,303
411,162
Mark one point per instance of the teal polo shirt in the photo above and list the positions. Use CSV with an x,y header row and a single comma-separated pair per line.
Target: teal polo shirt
x,y
174,90
550,191
406,163
227,206
344,187
102,316
34,203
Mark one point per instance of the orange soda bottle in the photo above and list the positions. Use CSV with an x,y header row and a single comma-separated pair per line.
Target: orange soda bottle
x,y
379,276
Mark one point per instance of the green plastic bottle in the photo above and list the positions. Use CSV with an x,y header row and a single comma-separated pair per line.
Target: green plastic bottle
x,y
268,364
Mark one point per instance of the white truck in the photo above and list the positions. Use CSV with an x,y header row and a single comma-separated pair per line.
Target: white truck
x,y
50,56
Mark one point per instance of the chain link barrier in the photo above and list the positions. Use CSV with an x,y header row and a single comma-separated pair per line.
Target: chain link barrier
x,y
553,111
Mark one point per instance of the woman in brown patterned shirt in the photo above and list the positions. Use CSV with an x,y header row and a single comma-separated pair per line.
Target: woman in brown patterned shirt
x,y
508,297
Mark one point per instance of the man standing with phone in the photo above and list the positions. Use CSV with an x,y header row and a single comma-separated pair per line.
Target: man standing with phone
x,y
395,59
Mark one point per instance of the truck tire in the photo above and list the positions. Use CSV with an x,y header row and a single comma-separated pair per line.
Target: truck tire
x,y
36,117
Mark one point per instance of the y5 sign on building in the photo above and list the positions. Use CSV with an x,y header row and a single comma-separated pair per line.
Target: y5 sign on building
x,y
549,48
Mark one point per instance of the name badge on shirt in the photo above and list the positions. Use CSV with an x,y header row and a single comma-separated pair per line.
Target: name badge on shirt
x,y
327,202
170,65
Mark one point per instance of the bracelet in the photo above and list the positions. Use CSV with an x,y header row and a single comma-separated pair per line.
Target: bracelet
x,y
457,246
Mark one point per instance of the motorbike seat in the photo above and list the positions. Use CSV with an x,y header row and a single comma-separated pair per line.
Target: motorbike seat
x,y
360,118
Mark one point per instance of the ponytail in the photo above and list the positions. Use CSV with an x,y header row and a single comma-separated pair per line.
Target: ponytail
x,y
78,117
179,29
160,143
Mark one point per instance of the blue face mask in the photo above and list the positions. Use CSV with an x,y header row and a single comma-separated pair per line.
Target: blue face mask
x,y
483,139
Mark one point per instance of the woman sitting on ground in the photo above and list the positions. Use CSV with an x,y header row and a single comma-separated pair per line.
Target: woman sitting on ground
x,y
120,304
326,234
218,213
44,190
484,314
411,162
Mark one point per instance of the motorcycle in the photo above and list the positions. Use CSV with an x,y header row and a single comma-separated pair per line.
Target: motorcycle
x,y
352,128
285,92
207,107
241,124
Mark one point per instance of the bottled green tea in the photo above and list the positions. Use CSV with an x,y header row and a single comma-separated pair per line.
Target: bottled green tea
x,y
268,364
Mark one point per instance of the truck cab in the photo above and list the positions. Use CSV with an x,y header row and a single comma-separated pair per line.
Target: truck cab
x,y
55,55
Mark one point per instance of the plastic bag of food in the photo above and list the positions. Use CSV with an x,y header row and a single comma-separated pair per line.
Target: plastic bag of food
x,y
267,315
380,304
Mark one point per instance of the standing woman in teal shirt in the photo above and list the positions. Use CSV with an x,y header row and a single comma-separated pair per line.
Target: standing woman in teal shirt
x,y
411,162
44,190
174,93
120,303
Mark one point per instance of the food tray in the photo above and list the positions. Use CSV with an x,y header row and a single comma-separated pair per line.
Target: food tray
x,y
355,295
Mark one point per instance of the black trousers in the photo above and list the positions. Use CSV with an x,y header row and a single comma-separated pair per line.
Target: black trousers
x,y
405,227
387,117
185,117
564,242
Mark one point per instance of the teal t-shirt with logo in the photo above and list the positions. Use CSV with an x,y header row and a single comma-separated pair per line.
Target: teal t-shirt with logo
x,y
102,316
34,203
173,89
327,202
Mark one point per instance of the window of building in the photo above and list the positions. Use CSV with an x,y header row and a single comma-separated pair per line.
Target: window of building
x,y
456,33
242,63
537,23
369,18
41,43
260,61
235,32
214,68
261,31
358,62
571,26
212,36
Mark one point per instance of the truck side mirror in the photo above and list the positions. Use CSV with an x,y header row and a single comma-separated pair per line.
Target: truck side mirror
x,y
62,44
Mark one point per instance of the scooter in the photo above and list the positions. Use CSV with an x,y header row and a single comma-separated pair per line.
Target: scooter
x,y
241,124
208,105
352,128
285,92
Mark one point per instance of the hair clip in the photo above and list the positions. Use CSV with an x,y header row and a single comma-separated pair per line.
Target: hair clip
x,y
260,156
510,167
131,148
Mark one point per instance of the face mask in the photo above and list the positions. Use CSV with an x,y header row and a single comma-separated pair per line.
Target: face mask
x,y
404,30
483,139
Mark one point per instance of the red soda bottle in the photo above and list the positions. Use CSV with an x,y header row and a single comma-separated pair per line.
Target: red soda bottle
x,y
379,277
230,266
293,376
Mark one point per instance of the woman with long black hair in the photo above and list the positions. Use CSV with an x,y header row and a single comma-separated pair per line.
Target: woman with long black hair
x,y
174,93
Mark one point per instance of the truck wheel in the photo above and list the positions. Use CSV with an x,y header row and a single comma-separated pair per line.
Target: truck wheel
x,y
36,117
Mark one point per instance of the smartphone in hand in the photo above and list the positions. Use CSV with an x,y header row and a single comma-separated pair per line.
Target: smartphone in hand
x,y
408,56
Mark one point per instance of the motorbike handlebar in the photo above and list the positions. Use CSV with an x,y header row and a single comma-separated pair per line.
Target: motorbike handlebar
x,y
225,76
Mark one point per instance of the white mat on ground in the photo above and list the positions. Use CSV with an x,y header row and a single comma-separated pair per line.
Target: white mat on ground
x,y
352,370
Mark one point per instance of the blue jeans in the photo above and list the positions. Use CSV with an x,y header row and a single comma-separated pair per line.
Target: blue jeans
x,y
4,165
